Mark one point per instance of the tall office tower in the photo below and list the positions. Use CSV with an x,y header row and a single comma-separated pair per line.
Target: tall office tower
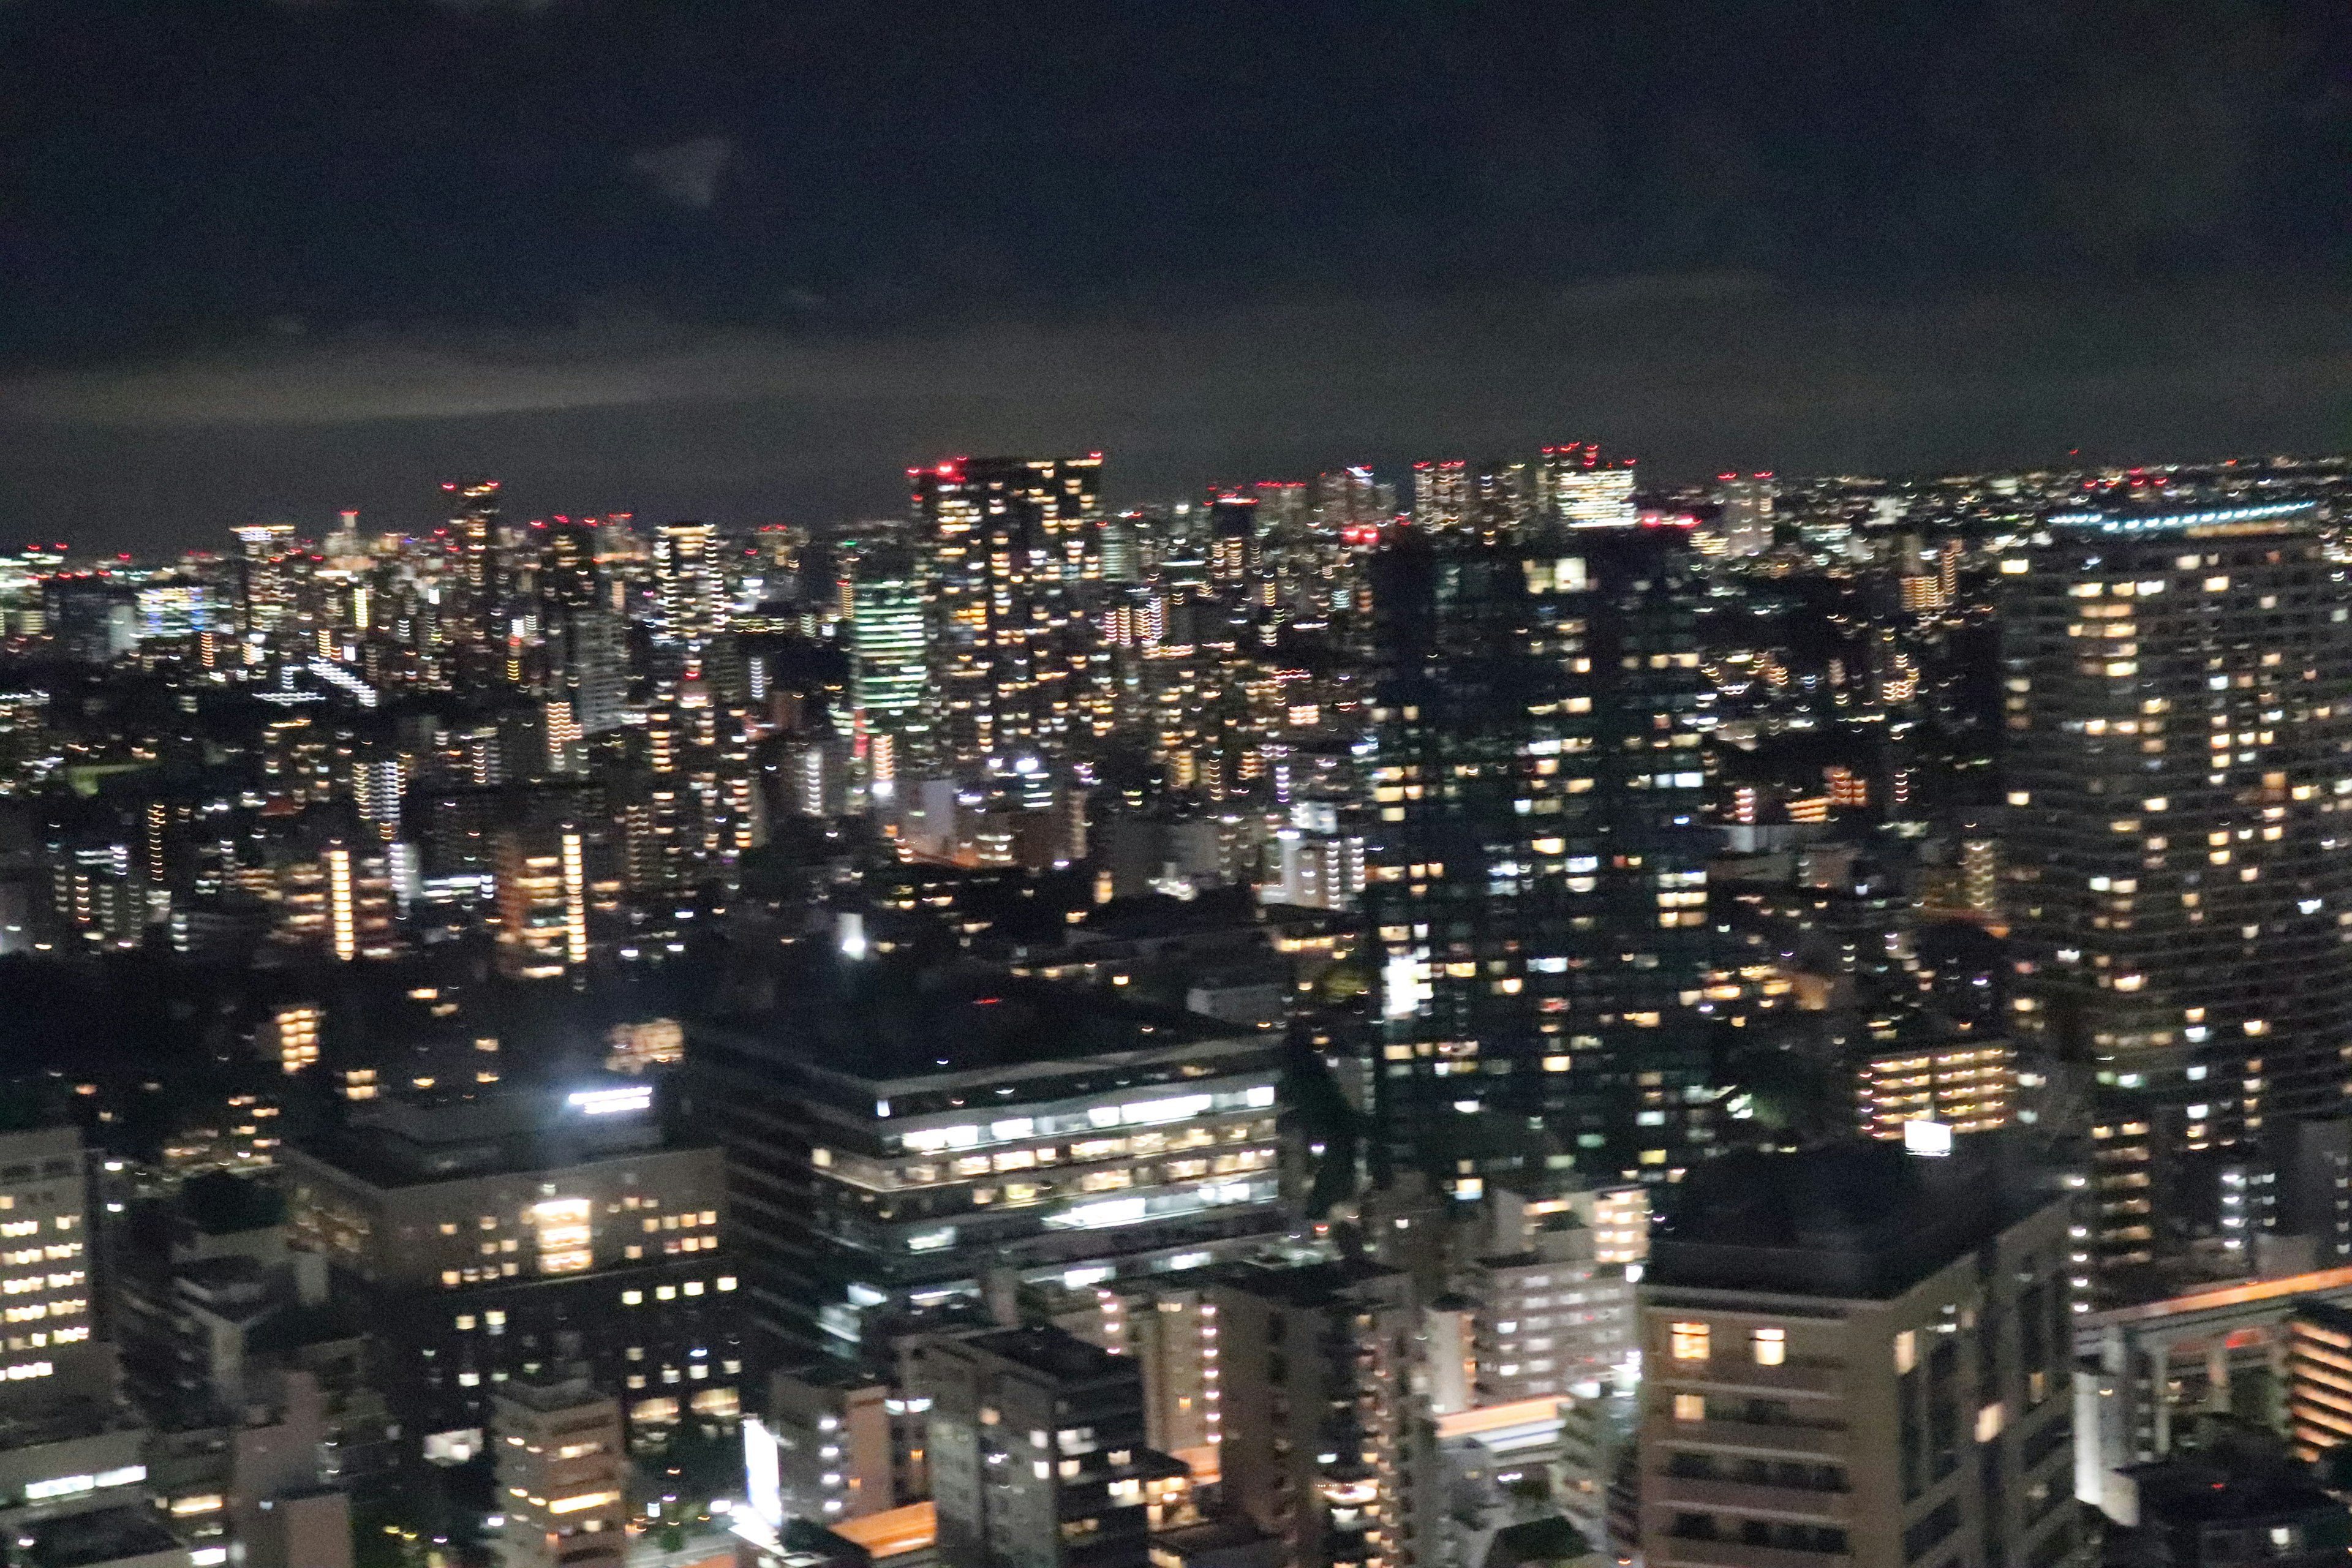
x,y
1859,1355
1537,870
469,618
1012,643
1501,498
686,582
889,643
1232,541
563,1474
1324,1446
2179,843
1441,493
267,579
588,661
568,576
1122,547
542,889
1351,497
1035,1449
1584,490
1746,519
1054,1132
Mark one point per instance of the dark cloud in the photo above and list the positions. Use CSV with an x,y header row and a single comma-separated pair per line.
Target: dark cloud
x,y
750,424
686,173
1208,235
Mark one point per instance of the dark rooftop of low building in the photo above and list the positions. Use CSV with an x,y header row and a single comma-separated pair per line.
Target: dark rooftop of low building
x,y
1305,1284
406,1141
104,1535
893,1017
1865,1219
1056,1353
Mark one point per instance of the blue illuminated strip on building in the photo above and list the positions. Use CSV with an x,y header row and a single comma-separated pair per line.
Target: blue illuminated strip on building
x,y
2172,521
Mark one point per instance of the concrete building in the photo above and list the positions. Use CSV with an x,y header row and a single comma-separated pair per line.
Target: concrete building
x,y
481,1227
2236,1501
1324,1444
2179,695
828,1426
562,1475
1858,1356
2150,1370
892,1133
1038,1454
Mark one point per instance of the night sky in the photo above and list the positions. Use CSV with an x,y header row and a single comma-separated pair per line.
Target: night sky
x,y
744,260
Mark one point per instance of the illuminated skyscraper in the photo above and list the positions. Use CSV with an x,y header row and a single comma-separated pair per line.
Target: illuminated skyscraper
x,y
1537,869
1232,541
587,659
1584,490
2179,843
890,638
1441,493
266,578
1007,540
542,886
687,581
469,610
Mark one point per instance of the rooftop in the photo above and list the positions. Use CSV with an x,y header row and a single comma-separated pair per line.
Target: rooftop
x,y
1306,1284
1860,1220
410,1141
107,1536
885,1021
1055,1353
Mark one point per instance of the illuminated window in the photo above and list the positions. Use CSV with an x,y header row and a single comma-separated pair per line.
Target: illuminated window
x,y
1689,1342
1906,1351
1690,1406
1771,1345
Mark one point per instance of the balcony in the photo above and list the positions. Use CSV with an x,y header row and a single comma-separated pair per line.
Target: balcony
x,y
1819,1378
1696,1495
1749,1438
1676,1552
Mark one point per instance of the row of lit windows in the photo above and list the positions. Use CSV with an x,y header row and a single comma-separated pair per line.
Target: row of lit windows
x,y
1692,1341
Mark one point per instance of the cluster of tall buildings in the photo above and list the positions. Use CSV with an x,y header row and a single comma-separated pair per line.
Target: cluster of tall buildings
x,y
1514,1013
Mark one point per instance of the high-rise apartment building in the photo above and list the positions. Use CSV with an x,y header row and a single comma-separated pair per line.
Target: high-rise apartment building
x,y
688,587
1537,879
589,667
267,577
2179,844
1862,1356
469,620
1007,542
543,892
1324,1445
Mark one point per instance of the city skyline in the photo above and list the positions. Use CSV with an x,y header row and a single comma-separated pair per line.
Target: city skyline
x,y
1102,785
